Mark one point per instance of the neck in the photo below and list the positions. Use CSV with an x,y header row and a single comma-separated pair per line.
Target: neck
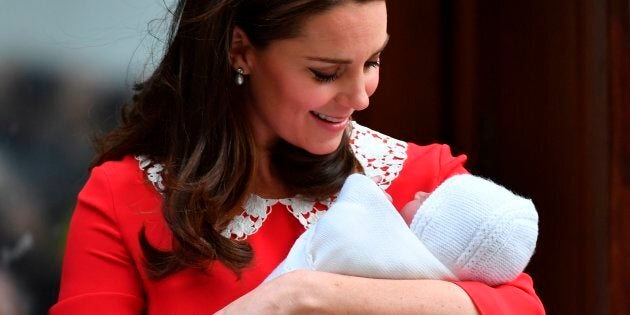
x,y
265,184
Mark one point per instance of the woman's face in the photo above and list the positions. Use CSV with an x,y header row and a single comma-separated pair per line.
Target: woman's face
x,y
305,89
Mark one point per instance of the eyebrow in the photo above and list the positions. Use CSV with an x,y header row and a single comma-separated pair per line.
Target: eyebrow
x,y
347,61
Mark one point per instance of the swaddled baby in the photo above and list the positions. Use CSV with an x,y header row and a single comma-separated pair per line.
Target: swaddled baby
x,y
469,228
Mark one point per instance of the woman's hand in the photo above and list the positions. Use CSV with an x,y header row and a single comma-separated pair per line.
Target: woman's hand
x,y
283,295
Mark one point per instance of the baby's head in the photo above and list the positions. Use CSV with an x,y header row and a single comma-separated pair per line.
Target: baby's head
x,y
479,229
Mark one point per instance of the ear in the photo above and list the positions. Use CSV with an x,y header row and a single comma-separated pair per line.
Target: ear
x,y
241,50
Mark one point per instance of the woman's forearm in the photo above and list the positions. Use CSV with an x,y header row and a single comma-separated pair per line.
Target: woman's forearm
x,y
326,293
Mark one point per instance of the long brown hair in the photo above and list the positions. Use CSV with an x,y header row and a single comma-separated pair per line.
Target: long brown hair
x,y
189,116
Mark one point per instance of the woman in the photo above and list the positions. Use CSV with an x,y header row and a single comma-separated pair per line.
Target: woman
x,y
235,144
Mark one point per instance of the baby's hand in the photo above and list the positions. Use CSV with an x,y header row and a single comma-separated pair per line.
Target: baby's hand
x,y
410,209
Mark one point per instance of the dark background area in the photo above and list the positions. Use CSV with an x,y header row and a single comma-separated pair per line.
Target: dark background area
x,y
536,93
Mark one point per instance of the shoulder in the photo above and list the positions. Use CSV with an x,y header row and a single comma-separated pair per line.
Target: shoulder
x,y
120,190
390,158
129,167
130,174
380,155
404,167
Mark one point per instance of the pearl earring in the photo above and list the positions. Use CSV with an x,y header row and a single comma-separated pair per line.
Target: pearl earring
x,y
239,77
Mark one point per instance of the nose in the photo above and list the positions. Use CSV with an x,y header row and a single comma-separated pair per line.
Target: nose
x,y
354,94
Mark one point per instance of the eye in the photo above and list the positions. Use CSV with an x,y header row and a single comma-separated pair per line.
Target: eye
x,y
324,77
373,64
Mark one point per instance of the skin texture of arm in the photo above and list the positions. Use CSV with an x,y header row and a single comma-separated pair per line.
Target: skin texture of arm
x,y
312,292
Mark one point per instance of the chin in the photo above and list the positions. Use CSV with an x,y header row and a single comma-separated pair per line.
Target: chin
x,y
323,148
321,152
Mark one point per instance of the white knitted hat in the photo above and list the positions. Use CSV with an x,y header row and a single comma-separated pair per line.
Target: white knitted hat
x,y
479,229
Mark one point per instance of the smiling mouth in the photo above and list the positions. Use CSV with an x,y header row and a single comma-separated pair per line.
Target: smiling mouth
x,y
329,119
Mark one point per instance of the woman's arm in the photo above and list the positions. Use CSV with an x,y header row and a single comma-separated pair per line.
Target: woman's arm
x,y
312,292
305,292
99,275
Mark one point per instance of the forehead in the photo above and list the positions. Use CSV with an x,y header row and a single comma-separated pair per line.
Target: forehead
x,y
348,27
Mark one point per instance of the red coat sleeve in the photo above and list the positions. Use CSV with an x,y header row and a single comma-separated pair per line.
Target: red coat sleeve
x,y
515,297
99,275
426,168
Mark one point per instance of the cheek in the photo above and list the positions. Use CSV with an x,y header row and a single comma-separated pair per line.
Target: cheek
x,y
312,96
372,84
410,209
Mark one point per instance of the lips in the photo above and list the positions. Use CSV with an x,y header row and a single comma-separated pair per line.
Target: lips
x,y
329,119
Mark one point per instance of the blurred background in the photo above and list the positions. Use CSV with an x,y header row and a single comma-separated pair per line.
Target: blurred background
x,y
65,68
536,93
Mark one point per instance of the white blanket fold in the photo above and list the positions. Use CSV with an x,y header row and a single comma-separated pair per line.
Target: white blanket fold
x,y
363,235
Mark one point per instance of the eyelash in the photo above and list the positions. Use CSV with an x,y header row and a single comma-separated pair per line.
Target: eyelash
x,y
327,78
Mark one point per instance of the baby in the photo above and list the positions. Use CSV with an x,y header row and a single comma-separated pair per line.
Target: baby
x,y
469,228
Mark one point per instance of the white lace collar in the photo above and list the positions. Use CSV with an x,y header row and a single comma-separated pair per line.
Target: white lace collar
x,y
380,155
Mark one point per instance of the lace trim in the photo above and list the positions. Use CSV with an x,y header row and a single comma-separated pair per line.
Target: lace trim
x,y
153,171
255,212
257,209
380,155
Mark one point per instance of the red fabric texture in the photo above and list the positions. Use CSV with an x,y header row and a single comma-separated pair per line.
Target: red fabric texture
x,y
103,274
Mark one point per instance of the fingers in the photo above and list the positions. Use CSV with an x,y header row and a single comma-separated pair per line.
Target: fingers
x,y
421,195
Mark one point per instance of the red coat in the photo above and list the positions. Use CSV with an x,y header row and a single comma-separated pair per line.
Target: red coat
x,y
103,274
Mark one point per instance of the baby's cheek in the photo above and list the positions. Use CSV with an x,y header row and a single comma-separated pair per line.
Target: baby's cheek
x,y
410,209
